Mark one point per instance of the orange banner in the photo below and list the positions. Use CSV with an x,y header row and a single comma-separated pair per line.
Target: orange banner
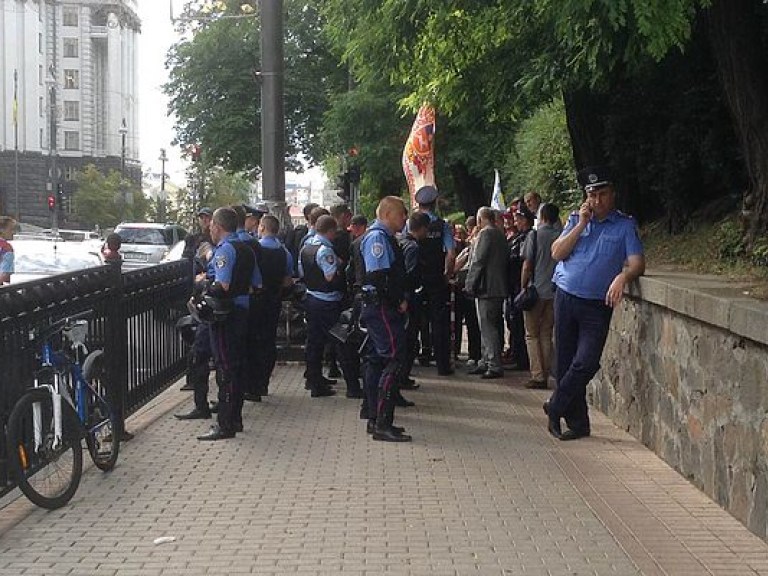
x,y
419,152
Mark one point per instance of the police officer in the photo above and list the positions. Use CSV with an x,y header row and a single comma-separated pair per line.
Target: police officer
x,y
232,267
598,254
276,264
437,252
319,267
384,306
418,224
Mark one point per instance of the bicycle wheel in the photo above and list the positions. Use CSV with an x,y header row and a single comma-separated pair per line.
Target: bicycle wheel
x,y
101,424
101,431
47,474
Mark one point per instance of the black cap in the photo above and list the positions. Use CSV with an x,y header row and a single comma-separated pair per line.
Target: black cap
x,y
259,210
525,213
205,212
426,195
594,177
359,220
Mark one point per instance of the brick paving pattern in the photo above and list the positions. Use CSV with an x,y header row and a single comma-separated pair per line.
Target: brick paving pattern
x,y
483,489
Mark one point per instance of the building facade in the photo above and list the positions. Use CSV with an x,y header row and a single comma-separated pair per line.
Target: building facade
x,y
68,98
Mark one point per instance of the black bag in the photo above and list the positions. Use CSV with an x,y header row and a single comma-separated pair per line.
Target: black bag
x,y
528,296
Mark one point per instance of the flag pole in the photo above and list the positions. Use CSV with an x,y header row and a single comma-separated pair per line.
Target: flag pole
x,y
16,142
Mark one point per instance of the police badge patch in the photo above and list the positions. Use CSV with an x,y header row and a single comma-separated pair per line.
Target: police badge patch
x,y
377,249
221,261
330,258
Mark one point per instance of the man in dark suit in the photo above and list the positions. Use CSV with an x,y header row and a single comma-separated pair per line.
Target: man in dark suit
x,y
487,281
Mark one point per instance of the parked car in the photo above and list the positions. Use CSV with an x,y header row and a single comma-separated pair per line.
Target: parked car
x,y
34,259
146,244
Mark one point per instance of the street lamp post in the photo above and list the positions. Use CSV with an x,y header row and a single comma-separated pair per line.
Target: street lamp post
x,y
54,169
161,199
123,194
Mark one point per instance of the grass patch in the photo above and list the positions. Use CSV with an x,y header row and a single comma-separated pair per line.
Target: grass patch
x,y
707,248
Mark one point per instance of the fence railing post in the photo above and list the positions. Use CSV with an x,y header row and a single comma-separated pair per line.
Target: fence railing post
x,y
116,347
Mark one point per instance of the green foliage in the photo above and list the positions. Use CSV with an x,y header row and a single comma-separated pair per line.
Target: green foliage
x,y
729,240
541,160
215,90
99,199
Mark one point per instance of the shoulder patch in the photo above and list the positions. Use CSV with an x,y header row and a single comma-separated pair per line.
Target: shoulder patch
x,y
377,249
330,258
221,261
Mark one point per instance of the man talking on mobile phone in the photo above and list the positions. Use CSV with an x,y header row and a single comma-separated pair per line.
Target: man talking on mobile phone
x,y
598,254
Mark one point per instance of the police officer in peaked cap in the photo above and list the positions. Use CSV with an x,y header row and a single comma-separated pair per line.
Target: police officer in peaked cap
x,y
598,254
437,253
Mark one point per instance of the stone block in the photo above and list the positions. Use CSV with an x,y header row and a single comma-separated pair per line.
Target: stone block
x,y
749,318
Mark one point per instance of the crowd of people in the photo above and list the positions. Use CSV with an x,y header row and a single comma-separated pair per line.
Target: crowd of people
x,y
408,288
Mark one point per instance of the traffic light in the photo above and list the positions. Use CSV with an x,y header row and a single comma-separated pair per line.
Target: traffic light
x,y
51,202
344,186
60,196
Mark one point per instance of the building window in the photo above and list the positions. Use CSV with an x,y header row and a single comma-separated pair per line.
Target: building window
x,y
71,110
70,47
40,75
69,173
71,140
70,16
41,139
40,43
41,106
72,79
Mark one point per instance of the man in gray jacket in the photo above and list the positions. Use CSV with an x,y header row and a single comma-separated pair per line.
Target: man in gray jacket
x,y
487,281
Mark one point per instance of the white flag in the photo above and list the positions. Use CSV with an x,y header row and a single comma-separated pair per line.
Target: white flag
x,y
497,200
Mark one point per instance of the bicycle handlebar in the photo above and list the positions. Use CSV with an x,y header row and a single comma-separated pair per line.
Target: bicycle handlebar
x,y
59,325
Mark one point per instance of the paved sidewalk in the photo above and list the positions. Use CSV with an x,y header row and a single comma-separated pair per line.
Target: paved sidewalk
x,y
483,489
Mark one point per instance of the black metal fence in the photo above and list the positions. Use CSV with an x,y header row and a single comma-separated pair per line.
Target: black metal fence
x,y
134,322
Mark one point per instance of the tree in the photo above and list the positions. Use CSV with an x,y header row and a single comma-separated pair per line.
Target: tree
x,y
99,199
215,89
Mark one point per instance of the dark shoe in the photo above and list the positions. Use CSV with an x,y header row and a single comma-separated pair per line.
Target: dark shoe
x,y
320,392
545,406
238,427
248,396
491,375
214,407
409,384
126,436
195,414
354,393
187,387
536,384
446,372
403,403
371,427
424,361
573,435
334,372
307,386
477,370
216,433
388,434
327,381
553,425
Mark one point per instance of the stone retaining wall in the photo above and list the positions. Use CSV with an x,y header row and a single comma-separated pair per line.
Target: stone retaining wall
x,y
685,370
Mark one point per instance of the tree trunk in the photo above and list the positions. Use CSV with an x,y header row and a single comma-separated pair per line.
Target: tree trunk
x,y
735,32
585,126
469,189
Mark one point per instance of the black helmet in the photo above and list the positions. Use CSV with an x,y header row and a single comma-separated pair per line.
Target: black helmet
x,y
210,309
186,328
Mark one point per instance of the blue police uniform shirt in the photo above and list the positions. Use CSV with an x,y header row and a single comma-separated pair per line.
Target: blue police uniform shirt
x,y
222,266
328,261
243,234
598,256
376,249
6,257
271,242
307,237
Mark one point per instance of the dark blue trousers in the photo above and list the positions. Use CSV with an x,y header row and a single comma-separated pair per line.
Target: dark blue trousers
x,y
438,311
228,346
198,369
264,317
387,347
321,316
581,328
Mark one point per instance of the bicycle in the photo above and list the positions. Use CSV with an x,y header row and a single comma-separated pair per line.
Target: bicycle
x,y
49,421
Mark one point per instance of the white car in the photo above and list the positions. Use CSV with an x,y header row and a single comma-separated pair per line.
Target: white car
x,y
145,244
34,259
